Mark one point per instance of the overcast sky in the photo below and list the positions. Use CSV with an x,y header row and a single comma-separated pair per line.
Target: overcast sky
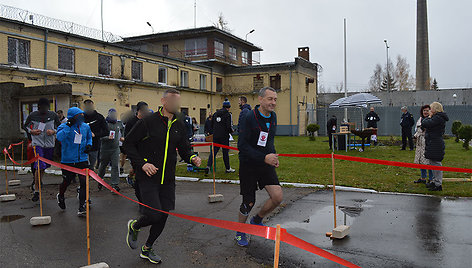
x,y
282,26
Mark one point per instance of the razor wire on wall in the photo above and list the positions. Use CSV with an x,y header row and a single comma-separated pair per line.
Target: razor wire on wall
x,y
26,16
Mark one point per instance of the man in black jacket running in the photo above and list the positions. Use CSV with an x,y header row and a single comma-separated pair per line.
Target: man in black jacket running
x,y
151,146
258,160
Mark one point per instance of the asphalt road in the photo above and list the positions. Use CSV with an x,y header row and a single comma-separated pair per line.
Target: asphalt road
x,y
386,230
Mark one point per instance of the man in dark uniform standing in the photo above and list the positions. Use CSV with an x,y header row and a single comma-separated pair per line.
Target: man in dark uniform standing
x,y
222,126
331,128
407,122
151,146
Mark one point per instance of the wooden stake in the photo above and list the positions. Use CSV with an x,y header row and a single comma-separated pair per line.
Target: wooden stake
x,y
38,170
334,188
13,163
213,162
6,172
277,247
87,194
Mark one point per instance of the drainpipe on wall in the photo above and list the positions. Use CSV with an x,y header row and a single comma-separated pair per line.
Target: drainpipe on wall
x,y
211,90
291,127
46,55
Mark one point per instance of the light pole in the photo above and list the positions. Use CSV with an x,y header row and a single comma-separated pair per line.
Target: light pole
x,y
250,32
148,23
388,76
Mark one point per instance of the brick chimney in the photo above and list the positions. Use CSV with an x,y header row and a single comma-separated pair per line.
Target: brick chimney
x,y
304,52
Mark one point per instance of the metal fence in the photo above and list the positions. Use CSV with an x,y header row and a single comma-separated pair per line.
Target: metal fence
x,y
389,123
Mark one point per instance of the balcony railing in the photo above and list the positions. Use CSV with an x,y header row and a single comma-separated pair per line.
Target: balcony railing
x,y
210,54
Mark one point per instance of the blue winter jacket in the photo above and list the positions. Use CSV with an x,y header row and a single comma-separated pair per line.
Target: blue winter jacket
x,y
72,152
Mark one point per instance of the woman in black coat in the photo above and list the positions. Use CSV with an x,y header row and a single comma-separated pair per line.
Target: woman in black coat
x,y
435,125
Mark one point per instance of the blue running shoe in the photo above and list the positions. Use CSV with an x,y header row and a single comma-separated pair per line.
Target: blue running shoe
x,y
254,223
241,239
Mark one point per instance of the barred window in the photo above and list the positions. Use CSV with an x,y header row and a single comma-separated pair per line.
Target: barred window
x,y
104,65
18,51
137,70
66,59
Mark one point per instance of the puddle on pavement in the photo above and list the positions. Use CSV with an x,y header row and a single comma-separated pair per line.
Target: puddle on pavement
x,y
10,218
322,219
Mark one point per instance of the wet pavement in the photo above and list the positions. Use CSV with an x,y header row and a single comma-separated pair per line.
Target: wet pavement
x,y
386,230
63,243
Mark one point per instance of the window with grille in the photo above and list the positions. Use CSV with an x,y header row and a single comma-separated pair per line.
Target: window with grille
x,y
104,65
18,51
66,59
137,70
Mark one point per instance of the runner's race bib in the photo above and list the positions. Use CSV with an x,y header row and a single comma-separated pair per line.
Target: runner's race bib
x,y
78,138
262,138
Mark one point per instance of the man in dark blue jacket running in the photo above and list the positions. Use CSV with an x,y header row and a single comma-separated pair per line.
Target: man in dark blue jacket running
x,y
258,160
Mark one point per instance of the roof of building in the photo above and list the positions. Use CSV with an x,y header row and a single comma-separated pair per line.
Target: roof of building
x,y
193,32
105,43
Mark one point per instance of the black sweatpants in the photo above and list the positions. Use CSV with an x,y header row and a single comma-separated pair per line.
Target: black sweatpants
x,y
225,154
330,139
406,134
156,195
68,176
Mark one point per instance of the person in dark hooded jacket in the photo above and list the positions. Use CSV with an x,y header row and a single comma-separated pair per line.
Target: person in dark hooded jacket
x,y
435,125
244,109
99,128
331,128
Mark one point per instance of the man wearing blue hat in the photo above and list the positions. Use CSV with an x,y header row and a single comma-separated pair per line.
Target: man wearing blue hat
x,y
76,141
110,149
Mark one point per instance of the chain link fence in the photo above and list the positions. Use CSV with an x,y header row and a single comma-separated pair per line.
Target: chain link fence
x,y
389,123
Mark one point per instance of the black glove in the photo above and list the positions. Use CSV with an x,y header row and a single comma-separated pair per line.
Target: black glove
x,y
70,121
87,149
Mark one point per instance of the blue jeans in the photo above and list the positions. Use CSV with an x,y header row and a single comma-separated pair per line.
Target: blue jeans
x,y
423,174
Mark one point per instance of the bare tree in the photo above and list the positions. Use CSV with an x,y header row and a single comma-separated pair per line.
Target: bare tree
x,y
340,87
222,23
404,79
376,79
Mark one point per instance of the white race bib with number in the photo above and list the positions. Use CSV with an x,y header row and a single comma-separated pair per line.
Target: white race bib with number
x,y
41,126
78,138
263,138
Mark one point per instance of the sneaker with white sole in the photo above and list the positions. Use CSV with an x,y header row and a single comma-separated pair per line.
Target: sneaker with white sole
x,y
230,170
132,235
150,255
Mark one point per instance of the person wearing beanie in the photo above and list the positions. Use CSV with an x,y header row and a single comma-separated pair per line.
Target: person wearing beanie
x,y
41,126
222,126
76,140
110,149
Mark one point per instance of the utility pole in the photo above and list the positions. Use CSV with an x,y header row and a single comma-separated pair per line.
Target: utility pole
x,y
345,70
101,11
195,14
